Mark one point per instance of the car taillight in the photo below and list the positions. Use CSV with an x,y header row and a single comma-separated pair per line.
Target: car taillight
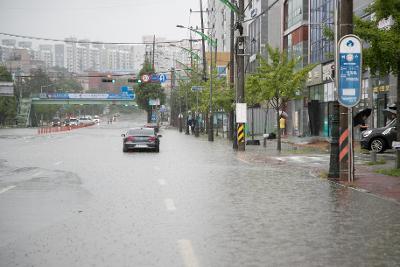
x,y
152,139
130,138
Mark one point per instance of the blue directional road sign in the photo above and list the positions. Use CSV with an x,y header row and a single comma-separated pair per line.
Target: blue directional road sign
x,y
127,90
162,77
349,70
154,78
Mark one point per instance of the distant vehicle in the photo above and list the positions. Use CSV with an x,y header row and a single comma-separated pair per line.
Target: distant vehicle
x,y
56,122
141,138
85,120
65,122
154,126
96,119
379,139
73,122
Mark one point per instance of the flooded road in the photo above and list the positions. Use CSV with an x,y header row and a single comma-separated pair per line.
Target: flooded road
x,y
75,199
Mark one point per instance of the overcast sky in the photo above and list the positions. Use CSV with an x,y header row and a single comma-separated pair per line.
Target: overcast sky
x,y
98,20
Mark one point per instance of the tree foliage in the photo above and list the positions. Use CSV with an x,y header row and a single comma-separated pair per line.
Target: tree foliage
x,y
383,52
276,80
8,104
146,91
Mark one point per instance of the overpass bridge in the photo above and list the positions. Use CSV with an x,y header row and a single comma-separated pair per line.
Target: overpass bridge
x,y
25,105
84,99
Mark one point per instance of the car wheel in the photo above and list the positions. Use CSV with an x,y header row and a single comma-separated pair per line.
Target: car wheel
x,y
157,149
377,145
124,148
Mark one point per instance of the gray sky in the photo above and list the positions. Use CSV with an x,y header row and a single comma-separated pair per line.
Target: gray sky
x,y
98,20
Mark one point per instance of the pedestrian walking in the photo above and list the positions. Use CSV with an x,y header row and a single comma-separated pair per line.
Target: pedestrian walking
x,y
282,125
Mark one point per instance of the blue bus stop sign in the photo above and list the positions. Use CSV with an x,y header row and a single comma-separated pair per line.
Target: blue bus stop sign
x,y
349,70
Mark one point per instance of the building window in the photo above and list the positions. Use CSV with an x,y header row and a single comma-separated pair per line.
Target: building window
x,y
317,92
321,18
293,12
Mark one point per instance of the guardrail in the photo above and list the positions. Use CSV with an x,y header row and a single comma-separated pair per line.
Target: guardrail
x,y
47,130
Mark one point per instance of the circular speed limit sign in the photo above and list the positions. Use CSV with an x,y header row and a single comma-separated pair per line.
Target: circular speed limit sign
x,y
145,78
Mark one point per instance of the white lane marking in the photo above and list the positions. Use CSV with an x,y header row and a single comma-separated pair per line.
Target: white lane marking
x,y
186,250
156,168
58,163
169,203
7,188
36,174
162,182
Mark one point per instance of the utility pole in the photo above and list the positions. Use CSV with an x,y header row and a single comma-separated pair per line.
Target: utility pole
x,y
345,26
241,143
154,48
339,161
203,46
334,156
232,132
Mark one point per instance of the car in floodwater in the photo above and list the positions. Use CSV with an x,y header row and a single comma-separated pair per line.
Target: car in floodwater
x,y
379,139
73,122
87,120
56,122
141,138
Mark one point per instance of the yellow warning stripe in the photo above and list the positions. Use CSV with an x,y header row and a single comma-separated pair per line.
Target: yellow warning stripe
x,y
240,133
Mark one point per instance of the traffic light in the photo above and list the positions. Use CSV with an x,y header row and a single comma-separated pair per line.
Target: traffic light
x,y
134,81
108,80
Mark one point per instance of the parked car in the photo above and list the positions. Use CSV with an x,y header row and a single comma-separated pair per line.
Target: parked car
x,y
141,138
379,139
56,122
73,122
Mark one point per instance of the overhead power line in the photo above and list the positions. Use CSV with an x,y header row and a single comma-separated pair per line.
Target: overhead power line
x,y
91,42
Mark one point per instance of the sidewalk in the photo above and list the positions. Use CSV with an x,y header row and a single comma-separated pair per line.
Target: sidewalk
x,y
366,178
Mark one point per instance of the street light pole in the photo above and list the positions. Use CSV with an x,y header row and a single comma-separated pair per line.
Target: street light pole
x,y
211,116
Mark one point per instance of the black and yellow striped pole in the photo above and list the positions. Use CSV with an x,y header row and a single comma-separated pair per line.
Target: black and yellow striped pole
x,y
241,136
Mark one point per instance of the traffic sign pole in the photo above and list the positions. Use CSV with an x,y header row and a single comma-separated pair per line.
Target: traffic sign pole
x,y
349,93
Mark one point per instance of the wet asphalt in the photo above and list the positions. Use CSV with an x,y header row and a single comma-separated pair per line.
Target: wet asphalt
x,y
75,199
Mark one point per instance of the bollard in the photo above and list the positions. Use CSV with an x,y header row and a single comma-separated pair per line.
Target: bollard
x,y
373,156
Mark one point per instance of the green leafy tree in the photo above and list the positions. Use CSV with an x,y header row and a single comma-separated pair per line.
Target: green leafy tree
x,y
383,52
8,104
38,79
277,80
67,85
146,91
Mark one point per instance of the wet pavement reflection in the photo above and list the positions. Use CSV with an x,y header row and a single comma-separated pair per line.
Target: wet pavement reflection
x,y
75,199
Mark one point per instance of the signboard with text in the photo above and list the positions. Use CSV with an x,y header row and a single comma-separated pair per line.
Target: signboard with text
x,y
241,112
6,89
349,70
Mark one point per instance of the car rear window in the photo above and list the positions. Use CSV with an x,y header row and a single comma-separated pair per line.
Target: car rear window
x,y
144,132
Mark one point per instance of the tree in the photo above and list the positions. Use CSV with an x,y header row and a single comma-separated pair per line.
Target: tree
x,y
67,85
8,104
383,52
38,78
146,91
277,80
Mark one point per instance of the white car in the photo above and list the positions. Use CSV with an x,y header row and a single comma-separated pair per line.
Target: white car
x,y
73,122
85,120
96,119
